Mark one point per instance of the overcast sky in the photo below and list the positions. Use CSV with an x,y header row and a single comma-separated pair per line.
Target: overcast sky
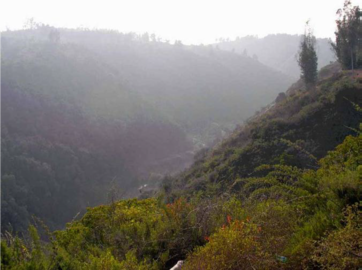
x,y
192,21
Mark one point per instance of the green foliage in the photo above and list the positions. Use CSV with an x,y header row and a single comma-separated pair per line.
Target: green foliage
x,y
131,234
347,46
341,248
270,197
308,60
290,213
296,132
236,246
7,257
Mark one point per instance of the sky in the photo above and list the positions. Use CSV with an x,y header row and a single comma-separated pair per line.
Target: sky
x,y
191,21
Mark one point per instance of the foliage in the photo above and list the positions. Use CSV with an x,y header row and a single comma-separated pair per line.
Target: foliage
x,y
285,219
85,111
308,60
236,246
349,32
296,132
341,248
63,112
283,192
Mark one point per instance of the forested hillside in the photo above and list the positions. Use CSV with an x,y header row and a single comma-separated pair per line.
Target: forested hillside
x,y
86,112
92,119
64,136
278,51
282,192
173,77
297,130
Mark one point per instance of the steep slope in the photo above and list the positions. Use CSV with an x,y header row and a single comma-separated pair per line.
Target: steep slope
x,y
201,89
292,219
278,51
115,107
84,112
295,212
296,131
71,130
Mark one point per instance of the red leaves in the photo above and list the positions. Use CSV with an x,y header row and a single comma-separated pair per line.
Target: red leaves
x,y
229,219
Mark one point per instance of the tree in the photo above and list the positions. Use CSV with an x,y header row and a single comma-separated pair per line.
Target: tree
x,y
348,36
308,60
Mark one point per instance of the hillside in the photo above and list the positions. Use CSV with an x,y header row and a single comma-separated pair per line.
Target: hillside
x,y
175,78
282,192
87,112
123,151
278,51
70,129
296,131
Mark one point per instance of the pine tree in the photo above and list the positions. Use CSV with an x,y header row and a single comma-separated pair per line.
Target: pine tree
x,y
308,60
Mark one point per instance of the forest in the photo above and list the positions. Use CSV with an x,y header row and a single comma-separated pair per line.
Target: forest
x,y
124,151
94,111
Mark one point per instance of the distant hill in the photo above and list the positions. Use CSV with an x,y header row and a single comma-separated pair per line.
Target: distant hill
x,y
278,51
87,112
261,200
172,78
71,130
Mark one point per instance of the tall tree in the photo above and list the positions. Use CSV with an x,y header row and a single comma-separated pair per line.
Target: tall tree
x,y
348,36
308,60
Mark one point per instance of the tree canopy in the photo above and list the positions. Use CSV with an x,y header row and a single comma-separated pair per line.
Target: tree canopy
x,y
348,42
308,60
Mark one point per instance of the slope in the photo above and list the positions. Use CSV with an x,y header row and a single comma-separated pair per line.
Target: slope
x,y
201,89
70,129
296,131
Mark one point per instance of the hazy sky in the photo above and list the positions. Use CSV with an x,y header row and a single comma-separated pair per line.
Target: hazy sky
x,y
192,21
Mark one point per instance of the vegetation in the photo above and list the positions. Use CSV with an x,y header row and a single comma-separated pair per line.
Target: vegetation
x,y
297,132
170,79
269,197
308,60
348,35
59,136
289,218
86,111
282,192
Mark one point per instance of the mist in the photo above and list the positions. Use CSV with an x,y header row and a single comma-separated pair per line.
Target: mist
x,y
161,134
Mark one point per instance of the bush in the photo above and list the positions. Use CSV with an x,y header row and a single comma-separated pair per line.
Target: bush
x,y
341,249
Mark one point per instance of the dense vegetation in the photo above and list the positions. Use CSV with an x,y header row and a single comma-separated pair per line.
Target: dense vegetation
x,y
61,145
264,199
84,112
282,192
196,87
347,46
296,131
75,122
281,223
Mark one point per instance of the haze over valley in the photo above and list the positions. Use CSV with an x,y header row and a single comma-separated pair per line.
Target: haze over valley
x,y
122,149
